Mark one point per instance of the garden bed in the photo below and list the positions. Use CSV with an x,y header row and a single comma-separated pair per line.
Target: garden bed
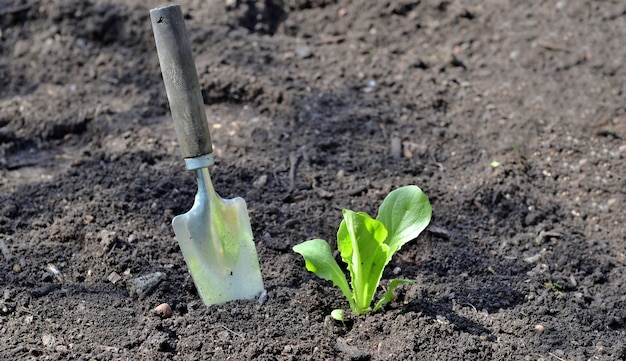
x,y
509,115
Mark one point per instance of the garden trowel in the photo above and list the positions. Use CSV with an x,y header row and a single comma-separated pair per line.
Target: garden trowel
x,y
215,236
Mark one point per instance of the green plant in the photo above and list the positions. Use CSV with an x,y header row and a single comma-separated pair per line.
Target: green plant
x,y
557,288
366,245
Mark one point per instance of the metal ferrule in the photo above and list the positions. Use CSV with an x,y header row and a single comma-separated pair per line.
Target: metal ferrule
x,y
203,161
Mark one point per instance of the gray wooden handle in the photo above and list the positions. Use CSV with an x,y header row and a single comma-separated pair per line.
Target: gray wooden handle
x,y
181,81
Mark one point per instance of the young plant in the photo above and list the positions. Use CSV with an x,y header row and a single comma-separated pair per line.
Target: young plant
x,y
366,245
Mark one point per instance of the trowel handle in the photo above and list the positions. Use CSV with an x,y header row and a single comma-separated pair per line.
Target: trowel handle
x,y
181,81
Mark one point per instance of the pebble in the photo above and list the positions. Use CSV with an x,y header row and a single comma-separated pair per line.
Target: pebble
x,y
164,310
114,277
48,340
260,182
303,51
263,298
143,285
396,148
351,351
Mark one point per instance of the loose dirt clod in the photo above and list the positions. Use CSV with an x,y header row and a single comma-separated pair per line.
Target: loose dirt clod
x,y
164,310
143,285
351,351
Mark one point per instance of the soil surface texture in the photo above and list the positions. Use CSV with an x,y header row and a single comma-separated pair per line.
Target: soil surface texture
x,y
509,114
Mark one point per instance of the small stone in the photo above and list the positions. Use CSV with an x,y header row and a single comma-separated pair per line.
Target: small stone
x,y
263,298
48,340
533,258
323,193
303,51
407,153
396,148
611,202
260,182
291,223
350,351
114,277
164,310
107,238
143,285
539,328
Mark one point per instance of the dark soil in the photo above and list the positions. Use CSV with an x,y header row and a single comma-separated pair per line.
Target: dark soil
x,y
315,106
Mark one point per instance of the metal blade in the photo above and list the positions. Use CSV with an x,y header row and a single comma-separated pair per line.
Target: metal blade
x,y
215,237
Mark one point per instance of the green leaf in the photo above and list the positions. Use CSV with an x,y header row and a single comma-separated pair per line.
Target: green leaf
x,y
405,212
337,315
388,296
319,259
361,242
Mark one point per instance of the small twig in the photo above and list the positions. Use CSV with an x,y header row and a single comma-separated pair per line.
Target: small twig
x,y
109,348
306,207
330,40
469,304
556,357
276,178
433,161
554,47
26,310
233,332
383,129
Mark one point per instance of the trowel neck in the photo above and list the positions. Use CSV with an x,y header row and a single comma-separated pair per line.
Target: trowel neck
x,y
204,181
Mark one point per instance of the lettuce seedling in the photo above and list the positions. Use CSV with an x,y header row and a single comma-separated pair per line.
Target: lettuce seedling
x,y
366,245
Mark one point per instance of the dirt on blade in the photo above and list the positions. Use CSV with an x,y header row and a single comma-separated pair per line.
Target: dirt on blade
x,y
317,106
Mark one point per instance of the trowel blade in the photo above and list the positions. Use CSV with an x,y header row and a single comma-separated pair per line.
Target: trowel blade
x,y
216,240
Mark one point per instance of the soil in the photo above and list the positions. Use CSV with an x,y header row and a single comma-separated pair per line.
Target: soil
x,y
316,106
